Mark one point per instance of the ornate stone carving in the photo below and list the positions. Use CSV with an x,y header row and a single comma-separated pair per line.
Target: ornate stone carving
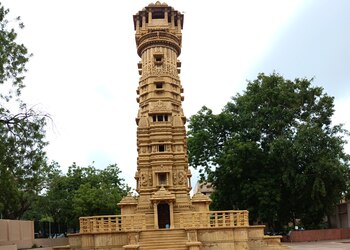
x,y
133,238
181,178
144,179
174,178
150,179
159,106
192,235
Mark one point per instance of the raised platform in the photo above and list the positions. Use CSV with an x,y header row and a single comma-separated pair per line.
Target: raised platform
x,y
230,238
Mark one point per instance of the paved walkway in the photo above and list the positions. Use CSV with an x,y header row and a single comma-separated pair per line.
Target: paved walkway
x,y
321,245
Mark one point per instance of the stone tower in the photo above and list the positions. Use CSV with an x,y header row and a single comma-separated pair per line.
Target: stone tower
x,y
162,176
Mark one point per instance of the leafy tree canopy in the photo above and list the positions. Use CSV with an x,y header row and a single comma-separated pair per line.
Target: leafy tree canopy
x,y
30,187
274,151
23,167
83,191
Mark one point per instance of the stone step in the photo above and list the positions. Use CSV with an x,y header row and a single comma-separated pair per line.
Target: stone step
x,y
163,240
163,232
163,247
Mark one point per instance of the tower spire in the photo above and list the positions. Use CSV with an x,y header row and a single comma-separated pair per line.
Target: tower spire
x,y
162,163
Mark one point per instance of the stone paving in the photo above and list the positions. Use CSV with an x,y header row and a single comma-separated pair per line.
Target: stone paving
x,y
321,245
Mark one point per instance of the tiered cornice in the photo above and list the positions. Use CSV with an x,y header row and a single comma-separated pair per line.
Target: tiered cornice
x,y
158,38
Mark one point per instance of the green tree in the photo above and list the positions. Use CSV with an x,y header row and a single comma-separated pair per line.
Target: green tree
x,y
23,167
273,151
84,191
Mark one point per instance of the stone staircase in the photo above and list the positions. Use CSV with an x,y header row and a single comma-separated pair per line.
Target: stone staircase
x,y
163,239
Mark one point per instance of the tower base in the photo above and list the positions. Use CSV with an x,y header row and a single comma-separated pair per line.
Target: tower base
x,y
236,238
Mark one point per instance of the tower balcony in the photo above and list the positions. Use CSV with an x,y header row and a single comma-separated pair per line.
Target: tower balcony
x,y
158,38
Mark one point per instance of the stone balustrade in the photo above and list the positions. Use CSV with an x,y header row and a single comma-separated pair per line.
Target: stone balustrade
x,y
112,223
214,219
127,223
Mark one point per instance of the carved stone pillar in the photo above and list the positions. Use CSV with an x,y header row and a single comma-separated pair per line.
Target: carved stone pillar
x,y
137,25
172,20
143,22
192,241
150,16
166,16
171,211
179,24
155,210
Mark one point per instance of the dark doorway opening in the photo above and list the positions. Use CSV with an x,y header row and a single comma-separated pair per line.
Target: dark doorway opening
x,y
163,215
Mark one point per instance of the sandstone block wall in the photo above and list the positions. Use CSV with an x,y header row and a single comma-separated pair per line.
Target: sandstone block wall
x,y
13,230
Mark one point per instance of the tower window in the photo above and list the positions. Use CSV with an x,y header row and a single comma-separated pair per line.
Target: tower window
x,y
162,179
158,15
159,85
161,148
158,59
160,118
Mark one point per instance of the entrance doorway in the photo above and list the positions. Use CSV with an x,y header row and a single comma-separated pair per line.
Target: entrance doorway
x,y
163,215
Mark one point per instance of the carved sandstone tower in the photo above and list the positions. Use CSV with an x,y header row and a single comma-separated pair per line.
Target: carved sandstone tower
x,y
162,177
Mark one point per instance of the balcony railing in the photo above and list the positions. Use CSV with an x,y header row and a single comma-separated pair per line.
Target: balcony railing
x,y
123,223
112,223
232,218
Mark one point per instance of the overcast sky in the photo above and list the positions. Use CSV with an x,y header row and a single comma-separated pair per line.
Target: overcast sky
x,y
84,69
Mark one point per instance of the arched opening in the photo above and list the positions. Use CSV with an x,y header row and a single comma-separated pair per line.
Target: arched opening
x,y
163,215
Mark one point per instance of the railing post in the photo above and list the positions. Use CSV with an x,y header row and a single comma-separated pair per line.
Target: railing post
x,y
208,219
93,222
242,218
119,223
